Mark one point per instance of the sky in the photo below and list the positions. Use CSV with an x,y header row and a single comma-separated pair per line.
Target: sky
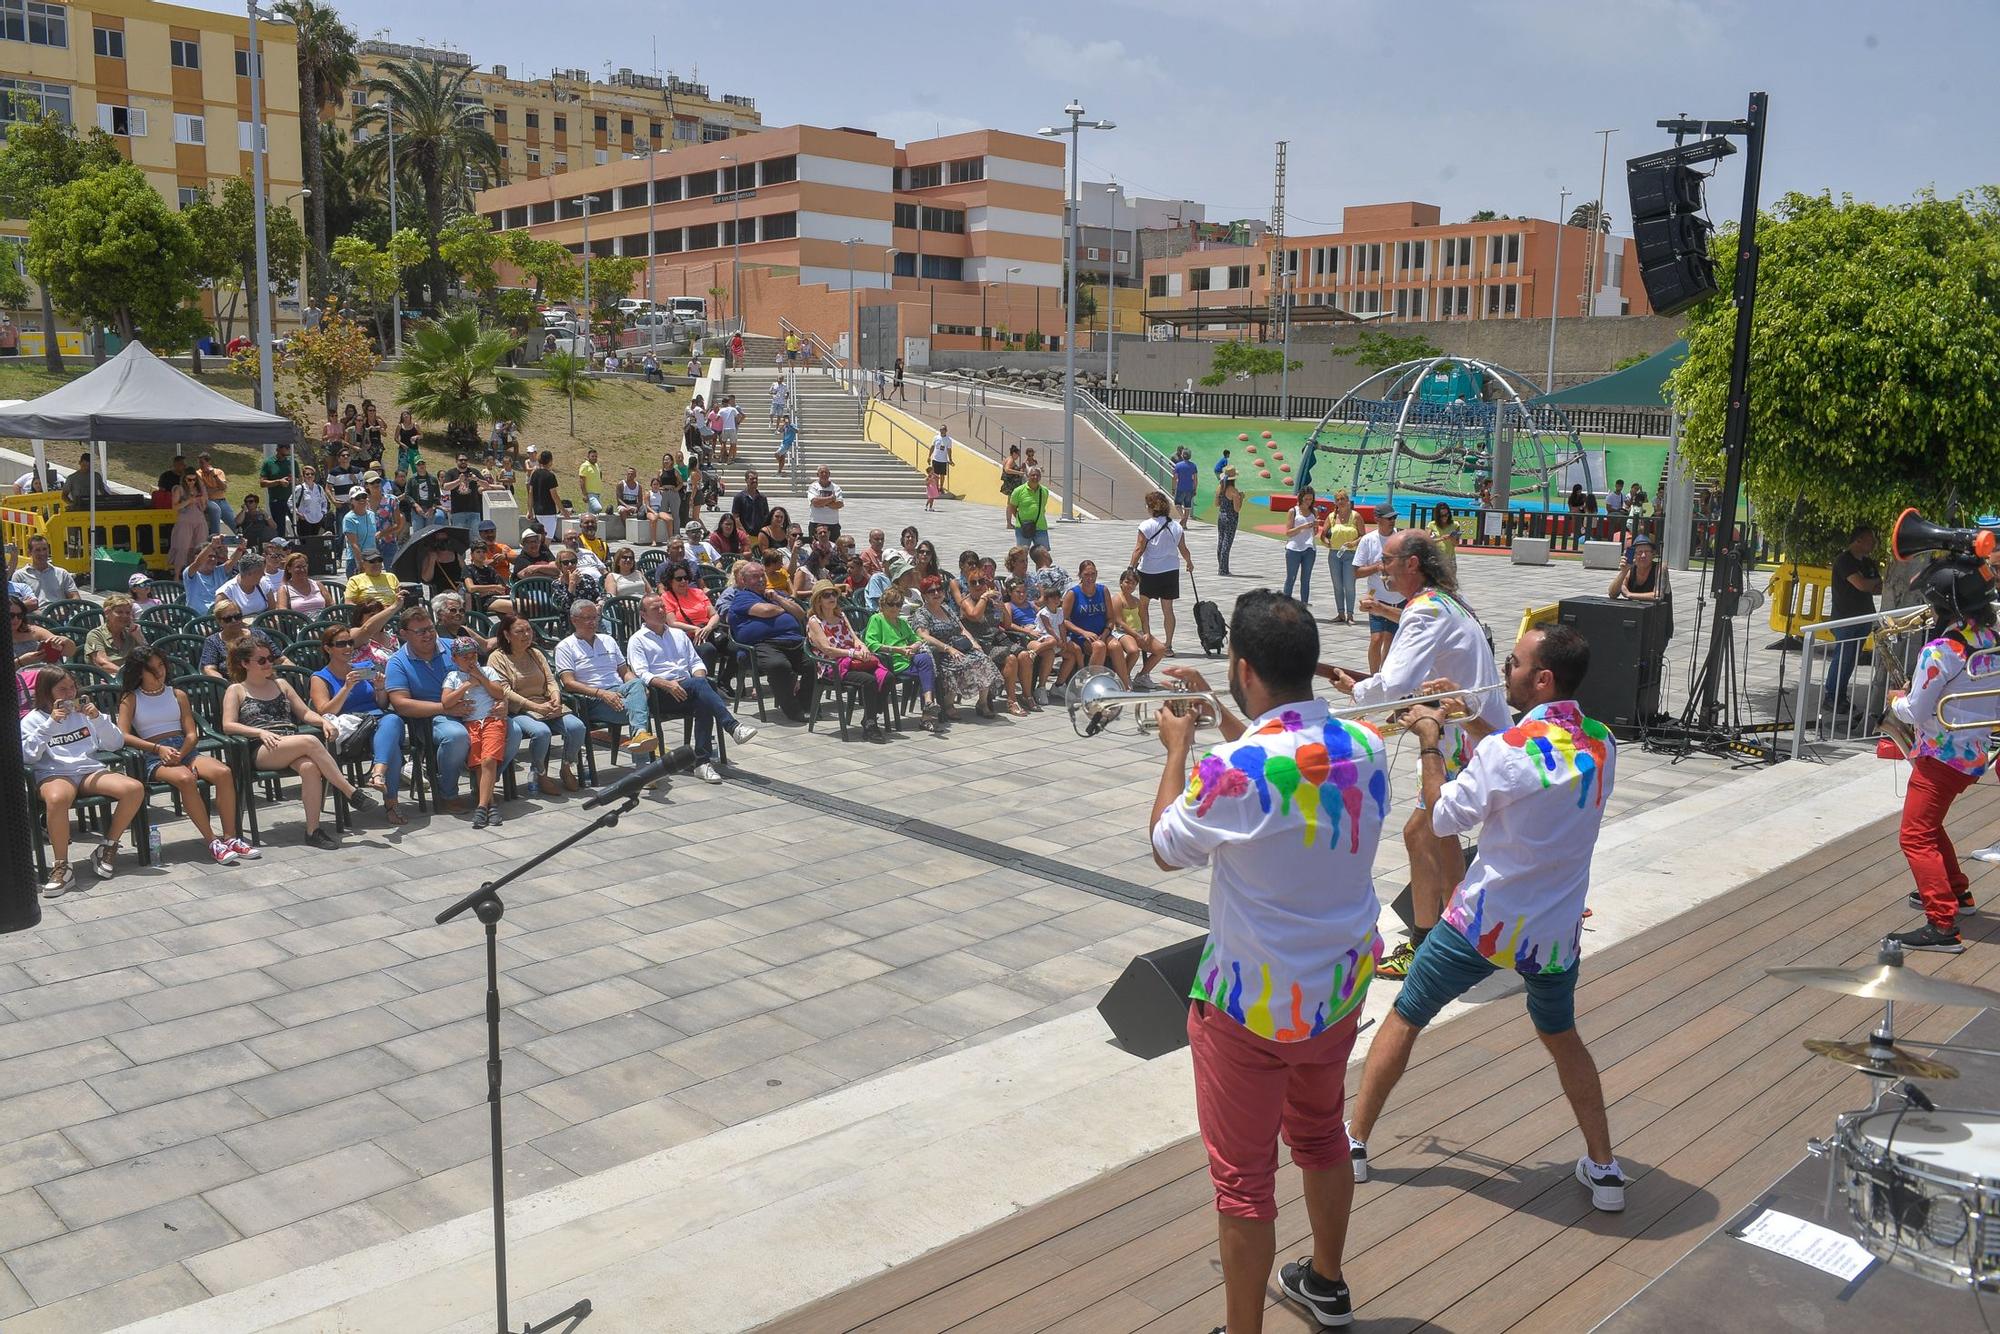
x,y
1469,106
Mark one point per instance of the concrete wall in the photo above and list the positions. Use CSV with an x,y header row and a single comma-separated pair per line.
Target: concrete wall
x,y
1585,350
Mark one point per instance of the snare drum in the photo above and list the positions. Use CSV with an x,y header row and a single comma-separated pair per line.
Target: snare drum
x,y
1923,1189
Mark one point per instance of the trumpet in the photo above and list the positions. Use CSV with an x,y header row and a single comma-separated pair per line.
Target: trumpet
x,y
1096,701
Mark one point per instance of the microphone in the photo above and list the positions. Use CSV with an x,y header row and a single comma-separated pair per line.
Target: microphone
x,y
676,761
1918,1098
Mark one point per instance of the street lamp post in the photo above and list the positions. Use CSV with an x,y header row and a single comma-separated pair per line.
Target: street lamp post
x,y
588,200
1285,355
1007,296
853,331
652,314
736,238
1111,301
1073,205
1597,228
387,106
266,397
305,288
1555,296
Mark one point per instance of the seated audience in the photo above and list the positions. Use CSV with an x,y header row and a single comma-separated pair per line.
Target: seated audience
x,y
62,738
344,690
485,724
664,659
591,664
893,639
848,660
962,667
297,590
770,625
231,628
159,723
534,701
414,678
110,644
258,702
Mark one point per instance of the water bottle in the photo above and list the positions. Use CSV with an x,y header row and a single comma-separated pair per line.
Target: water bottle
x,y
152,845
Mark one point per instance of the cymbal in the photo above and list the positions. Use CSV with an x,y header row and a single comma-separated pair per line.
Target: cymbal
x,y
1893,1064
1886,982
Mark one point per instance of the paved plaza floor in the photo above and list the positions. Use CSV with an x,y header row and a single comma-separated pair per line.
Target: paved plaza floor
x,y
211,1077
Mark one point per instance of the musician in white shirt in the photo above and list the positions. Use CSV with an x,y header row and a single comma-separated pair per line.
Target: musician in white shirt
x,y
1539,789
1438,638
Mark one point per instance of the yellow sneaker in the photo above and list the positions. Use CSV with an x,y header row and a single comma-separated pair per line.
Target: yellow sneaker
x,y
1397,965
640,743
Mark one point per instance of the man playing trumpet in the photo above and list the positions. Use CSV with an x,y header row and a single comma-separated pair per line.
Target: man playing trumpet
x,y
1437,638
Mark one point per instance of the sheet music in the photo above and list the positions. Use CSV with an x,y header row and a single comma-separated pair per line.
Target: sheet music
x,y
1809,1243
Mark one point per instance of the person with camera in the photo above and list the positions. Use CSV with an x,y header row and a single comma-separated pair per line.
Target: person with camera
x,y
61,740
1292,943
344,690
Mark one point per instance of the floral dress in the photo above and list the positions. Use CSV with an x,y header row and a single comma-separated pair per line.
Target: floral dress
x,y
972,672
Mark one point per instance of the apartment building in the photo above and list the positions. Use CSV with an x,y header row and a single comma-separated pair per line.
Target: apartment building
x,y
572,118
820,211
169,83
1112,222
1400,262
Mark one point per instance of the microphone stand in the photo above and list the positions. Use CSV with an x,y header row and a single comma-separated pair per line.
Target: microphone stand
x,y
485,904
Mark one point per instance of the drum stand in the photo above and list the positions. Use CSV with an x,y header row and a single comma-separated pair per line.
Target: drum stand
x,y
1888,1081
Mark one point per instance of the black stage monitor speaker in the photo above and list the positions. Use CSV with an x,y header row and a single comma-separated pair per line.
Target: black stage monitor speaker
x,y
20,909
1147,1006
1628,651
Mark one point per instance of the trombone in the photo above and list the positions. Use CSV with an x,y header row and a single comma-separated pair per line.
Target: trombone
x,y
1096,701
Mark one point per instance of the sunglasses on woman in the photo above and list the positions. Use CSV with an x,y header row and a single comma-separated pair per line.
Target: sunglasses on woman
x,y
261,660
340,643
228,620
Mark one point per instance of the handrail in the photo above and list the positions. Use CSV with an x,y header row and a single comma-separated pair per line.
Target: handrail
x,y
1119,434
832,364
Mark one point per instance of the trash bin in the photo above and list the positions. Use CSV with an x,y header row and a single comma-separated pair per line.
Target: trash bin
x,y
111,570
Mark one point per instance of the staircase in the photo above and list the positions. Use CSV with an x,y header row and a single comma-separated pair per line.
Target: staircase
x,y
830,433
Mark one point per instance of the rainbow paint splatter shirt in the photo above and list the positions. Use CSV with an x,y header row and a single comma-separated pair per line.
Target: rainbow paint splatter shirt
x,y
1942,669
1438,637
1288,816
1539,789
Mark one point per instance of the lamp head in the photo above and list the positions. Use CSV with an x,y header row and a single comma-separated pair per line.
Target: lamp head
x,y
1075,108
1051,132
1104,125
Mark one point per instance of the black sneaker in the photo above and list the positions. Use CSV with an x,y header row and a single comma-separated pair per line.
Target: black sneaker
x,y
481,817
498,819
1928,937
320,838
1326,1299
1965,903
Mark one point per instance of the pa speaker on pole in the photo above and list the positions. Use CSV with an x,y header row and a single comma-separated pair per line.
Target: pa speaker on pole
x,y
1669,231
20,909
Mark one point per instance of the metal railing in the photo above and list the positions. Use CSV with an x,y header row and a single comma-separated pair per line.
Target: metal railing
x,y
1851,711
1139,451
1639,422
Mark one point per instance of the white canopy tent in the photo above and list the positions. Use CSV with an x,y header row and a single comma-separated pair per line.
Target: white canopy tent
x,y
135,398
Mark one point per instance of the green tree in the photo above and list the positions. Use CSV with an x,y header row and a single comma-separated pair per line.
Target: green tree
x,y
1246,359
41,155
1590,217
109,249
318,363
611,278
473,250
451,373
556,274
13,284
370,278
1377,349
225,232
443,147
354,207
1484,215
327,65
569,376
1625,363
1874,353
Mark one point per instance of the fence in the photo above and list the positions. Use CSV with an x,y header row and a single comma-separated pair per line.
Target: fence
x,y
1837,710
1642,423
141,529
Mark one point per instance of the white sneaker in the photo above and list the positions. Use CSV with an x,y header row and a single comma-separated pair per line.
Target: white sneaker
x,y
1607,1189
1991,854
745,733
1041,695
706,772
1143,681
104,861
248,851
1357,1154
224,854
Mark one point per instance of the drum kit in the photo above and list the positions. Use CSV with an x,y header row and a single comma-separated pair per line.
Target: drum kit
x,y
1922,1182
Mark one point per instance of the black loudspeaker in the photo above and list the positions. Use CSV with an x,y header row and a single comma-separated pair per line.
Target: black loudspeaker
x,y
20,908
319,549
1628,651
1147,1006
1669,231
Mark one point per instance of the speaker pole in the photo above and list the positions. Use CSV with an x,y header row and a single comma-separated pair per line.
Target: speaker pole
x,y
1736,425
20,909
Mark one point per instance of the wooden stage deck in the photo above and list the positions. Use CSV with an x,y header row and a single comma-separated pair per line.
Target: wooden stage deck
x,y
1472,1221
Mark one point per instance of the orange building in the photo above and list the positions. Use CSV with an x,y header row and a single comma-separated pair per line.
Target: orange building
x,y
967,227
1401,263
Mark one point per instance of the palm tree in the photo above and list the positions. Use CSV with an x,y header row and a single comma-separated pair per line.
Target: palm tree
x,y
443,148
327,65
451,372
569,375
1589,217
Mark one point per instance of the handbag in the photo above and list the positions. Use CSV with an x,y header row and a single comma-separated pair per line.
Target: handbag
x,y
354,734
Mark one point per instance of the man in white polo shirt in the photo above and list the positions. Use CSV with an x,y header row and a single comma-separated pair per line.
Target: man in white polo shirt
x,y
664,658
593,665
1538,788
1288,812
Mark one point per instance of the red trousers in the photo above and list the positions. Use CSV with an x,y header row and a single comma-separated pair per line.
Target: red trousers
x,y
1933,861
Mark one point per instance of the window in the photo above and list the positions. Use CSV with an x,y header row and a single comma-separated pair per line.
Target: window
x,y
968,169
534,155
1514,249
534,120
949,267
1121,256
1239,275
714,134
700,185
686,131
499,115
562,159
108,42
602,157
243,65
625,126
1091,252
1156,284
30,99
243,137
906,216
1198,279
705,237
1493,296
950,220
923,178
184,54
667,191
600,123
653,131
1457,251
736,176
779,227
905,265
562,124
964,330
190,129
667,242
34,22
122,120
187,194
1510,296
778,170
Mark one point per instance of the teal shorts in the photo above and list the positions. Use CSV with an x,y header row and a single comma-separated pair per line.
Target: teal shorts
x,y
1447,966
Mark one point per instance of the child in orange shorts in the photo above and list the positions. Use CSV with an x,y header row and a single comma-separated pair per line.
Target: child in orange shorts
x,y
487,725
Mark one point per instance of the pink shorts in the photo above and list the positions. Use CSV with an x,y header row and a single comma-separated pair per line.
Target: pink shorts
x,y
1248,1089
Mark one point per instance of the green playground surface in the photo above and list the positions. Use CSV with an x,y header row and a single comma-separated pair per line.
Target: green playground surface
x,y
1625,457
